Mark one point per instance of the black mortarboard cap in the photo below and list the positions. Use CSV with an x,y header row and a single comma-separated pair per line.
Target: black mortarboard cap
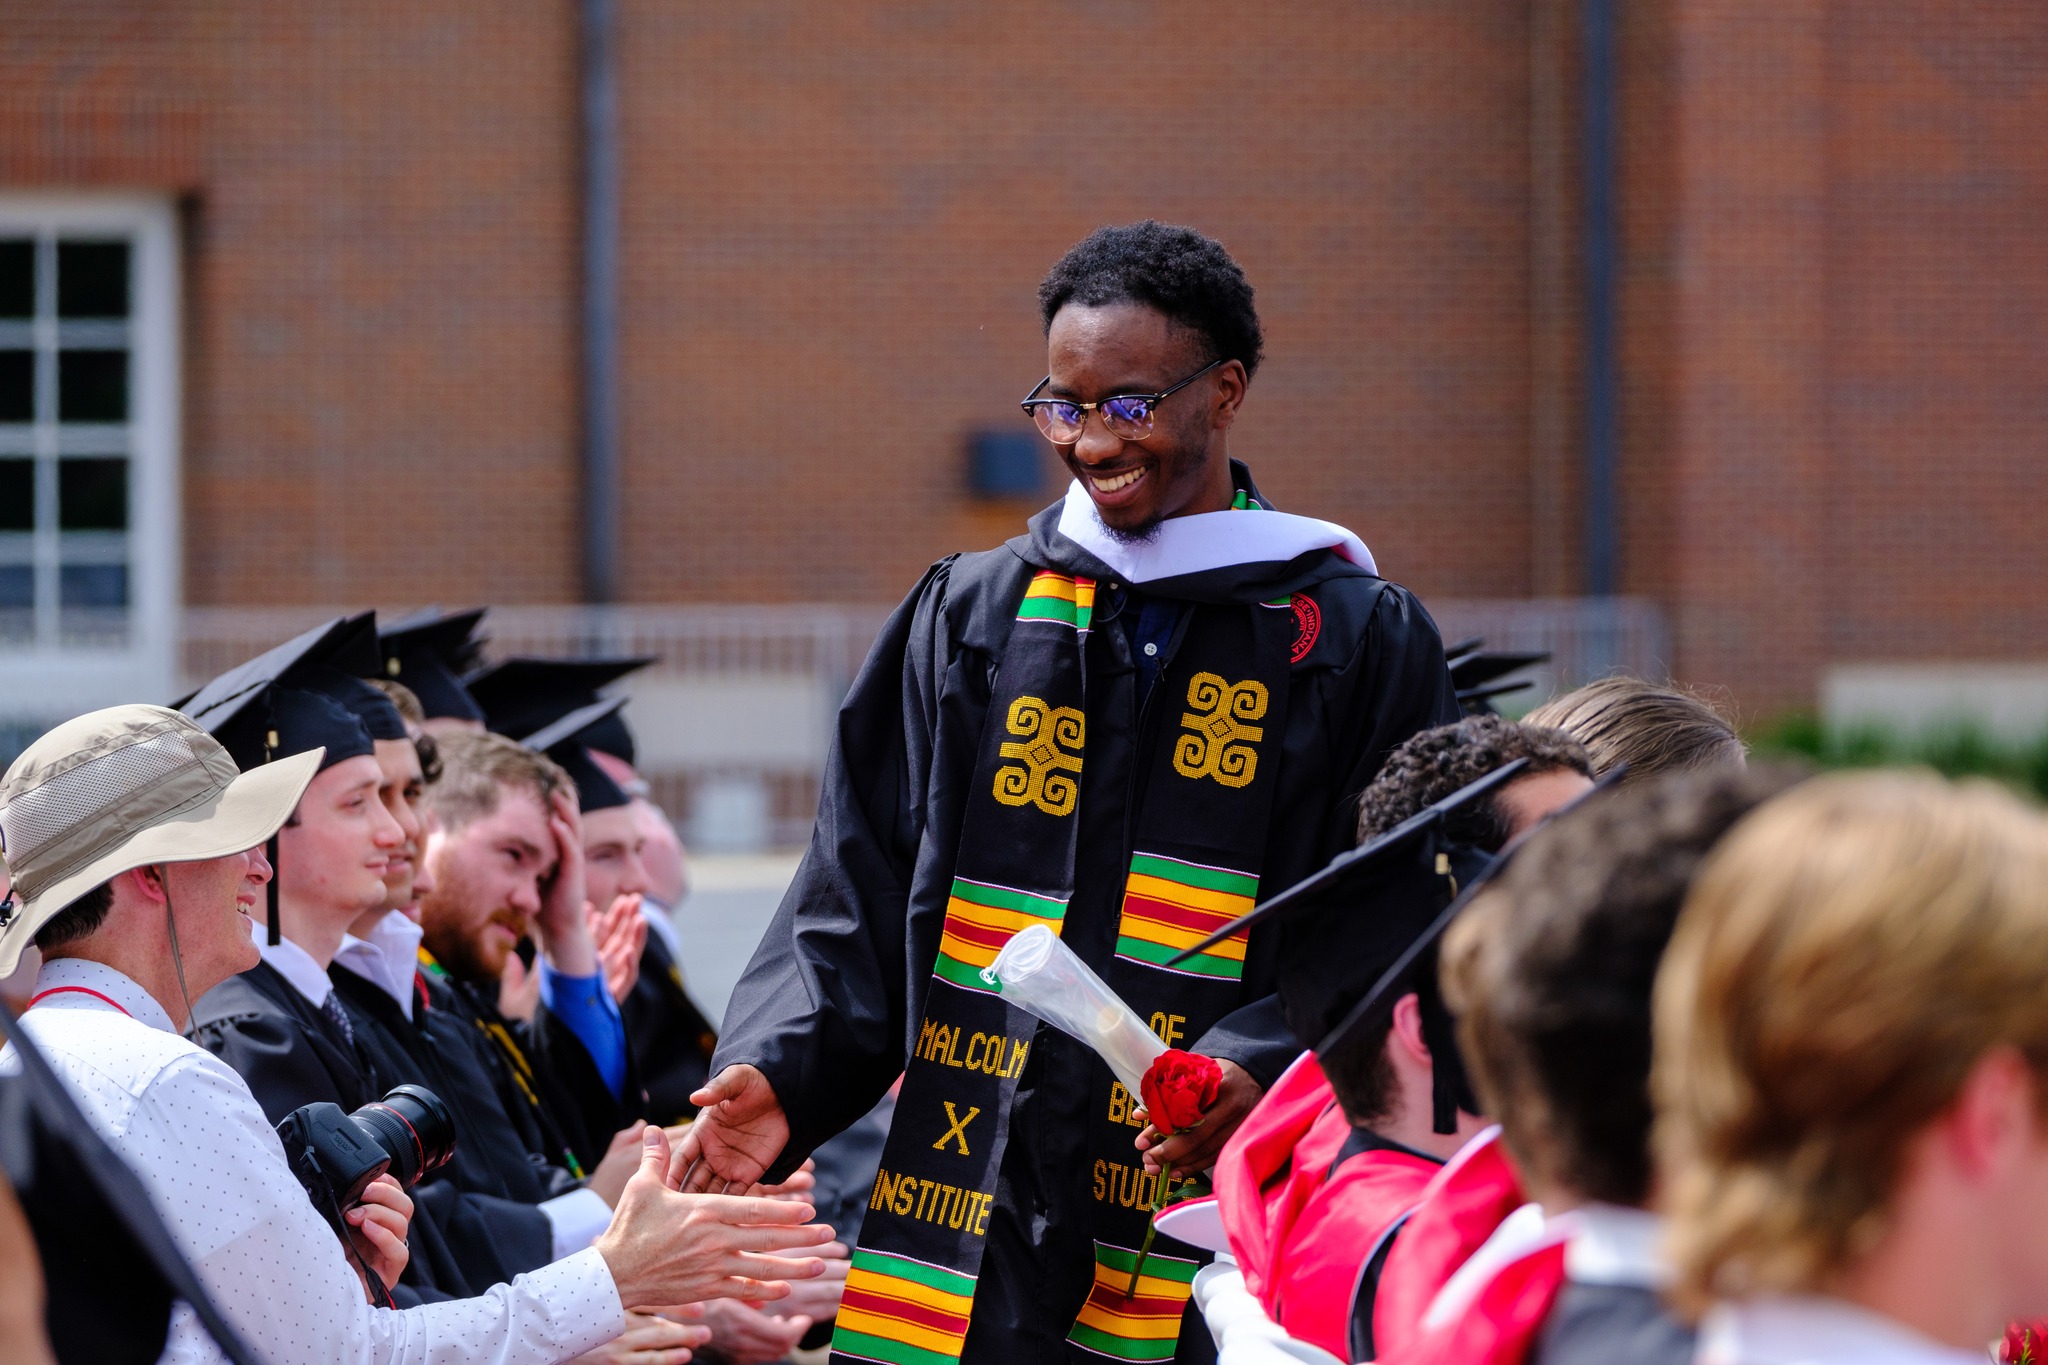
x,y
522,696
429,652
565,742
377,712
1340,929
281,702
347,644
1419,957
1475,671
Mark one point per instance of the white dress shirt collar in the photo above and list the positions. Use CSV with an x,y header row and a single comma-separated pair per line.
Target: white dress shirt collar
x,y
386,959
1205,540
75,983
1809,1330
297,966
1612,1245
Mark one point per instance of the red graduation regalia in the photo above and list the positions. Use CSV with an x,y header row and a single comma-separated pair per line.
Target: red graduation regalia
x,y
1303,1210
1463,1205
1503,1321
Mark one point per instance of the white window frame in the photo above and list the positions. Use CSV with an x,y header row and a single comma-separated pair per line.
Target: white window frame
x,y
49,680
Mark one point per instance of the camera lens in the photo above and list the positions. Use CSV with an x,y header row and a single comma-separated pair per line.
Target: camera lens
x,y
414,1127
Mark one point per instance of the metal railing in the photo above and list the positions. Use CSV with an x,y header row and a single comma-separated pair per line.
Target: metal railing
x,y
1587,638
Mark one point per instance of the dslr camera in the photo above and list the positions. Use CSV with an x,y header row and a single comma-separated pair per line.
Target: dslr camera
x,y
408,1134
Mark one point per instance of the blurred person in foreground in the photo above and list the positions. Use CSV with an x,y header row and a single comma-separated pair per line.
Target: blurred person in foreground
x,y
1550,972
1652,729
1228,678
144,902
1316,1181
1851,1076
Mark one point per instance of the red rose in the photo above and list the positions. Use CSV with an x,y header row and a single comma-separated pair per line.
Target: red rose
x,y
2023,1343
1177,1089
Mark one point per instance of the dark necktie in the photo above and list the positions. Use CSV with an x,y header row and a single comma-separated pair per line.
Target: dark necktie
x,y
338,1017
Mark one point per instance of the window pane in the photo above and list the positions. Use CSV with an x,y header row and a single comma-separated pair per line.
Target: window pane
x,y
92,279
17,587
17,278
17,386
92,386
17,495
93,585
92,495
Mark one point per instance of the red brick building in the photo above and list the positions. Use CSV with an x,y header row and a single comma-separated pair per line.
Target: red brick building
x,y
356,234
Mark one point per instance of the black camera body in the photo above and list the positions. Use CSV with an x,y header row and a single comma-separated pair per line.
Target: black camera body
x,y
409,1134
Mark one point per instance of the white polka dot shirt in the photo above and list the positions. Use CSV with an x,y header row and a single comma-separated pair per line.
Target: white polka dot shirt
x,y
188,1126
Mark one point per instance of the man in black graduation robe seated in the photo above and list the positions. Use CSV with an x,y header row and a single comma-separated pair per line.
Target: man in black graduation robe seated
x,y
1122,724
282,1025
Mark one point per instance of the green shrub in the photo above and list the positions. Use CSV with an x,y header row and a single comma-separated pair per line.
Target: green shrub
x,y
1959,749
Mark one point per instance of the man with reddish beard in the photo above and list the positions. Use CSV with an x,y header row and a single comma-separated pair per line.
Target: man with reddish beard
x,y
505,858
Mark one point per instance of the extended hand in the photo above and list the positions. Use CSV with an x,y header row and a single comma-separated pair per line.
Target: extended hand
x,y
666,1248
377,1230
621,1159
818,1300
739,1131
1198,1147
742,1334
648,1340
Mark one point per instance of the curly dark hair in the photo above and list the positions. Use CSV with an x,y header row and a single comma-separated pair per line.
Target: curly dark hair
x,y
1431,765
1188,277
1550,971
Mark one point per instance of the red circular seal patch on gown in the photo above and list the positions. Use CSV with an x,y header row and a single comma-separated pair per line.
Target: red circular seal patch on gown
x,y
1308,623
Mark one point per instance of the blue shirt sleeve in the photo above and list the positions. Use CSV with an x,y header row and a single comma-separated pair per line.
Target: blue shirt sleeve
x,y
588,1009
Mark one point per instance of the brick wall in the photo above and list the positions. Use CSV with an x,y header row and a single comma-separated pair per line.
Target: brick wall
x,y
835,217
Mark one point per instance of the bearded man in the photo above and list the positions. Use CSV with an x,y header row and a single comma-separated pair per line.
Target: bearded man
x,y
1121,724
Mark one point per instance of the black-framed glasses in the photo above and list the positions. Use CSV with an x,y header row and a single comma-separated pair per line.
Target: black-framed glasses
x,y
1127,415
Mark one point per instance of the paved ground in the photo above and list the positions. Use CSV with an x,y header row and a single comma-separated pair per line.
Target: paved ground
x,y
730,901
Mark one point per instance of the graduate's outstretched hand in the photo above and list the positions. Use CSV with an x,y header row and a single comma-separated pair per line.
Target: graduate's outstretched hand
x,y
739,1131
1198,1147
666,1248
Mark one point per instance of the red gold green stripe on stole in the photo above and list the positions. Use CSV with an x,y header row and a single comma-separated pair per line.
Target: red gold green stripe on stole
x,y
1171,905
902,1312
1144,1326
980,919
1056,597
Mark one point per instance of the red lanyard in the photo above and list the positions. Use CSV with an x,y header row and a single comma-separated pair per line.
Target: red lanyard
x,y
40,996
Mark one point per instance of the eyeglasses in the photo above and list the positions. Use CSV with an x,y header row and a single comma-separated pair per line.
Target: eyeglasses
x,y
1128,416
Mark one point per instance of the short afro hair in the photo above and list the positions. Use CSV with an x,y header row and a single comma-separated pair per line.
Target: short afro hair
x,y
1429,766
1176,270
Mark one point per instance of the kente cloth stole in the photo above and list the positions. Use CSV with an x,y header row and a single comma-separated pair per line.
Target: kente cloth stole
x,y
1199,836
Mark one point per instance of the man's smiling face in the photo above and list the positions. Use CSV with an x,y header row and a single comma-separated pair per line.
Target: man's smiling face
x,y
1183,467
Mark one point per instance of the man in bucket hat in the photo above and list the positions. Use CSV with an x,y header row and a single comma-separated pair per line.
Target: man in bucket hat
x,y
135,850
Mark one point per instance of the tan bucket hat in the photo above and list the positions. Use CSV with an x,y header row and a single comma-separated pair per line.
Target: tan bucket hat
x,y
120,789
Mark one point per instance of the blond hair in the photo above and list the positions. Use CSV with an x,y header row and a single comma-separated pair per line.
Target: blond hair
x,y
476,771
1653,729
1845,958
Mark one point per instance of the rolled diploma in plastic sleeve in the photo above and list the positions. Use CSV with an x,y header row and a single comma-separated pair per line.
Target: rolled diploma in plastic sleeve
x,y
1039,973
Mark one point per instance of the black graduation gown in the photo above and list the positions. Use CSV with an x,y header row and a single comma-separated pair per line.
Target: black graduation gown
x,y
564,1097
496,1228
829,1007
291,1055
671,1039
